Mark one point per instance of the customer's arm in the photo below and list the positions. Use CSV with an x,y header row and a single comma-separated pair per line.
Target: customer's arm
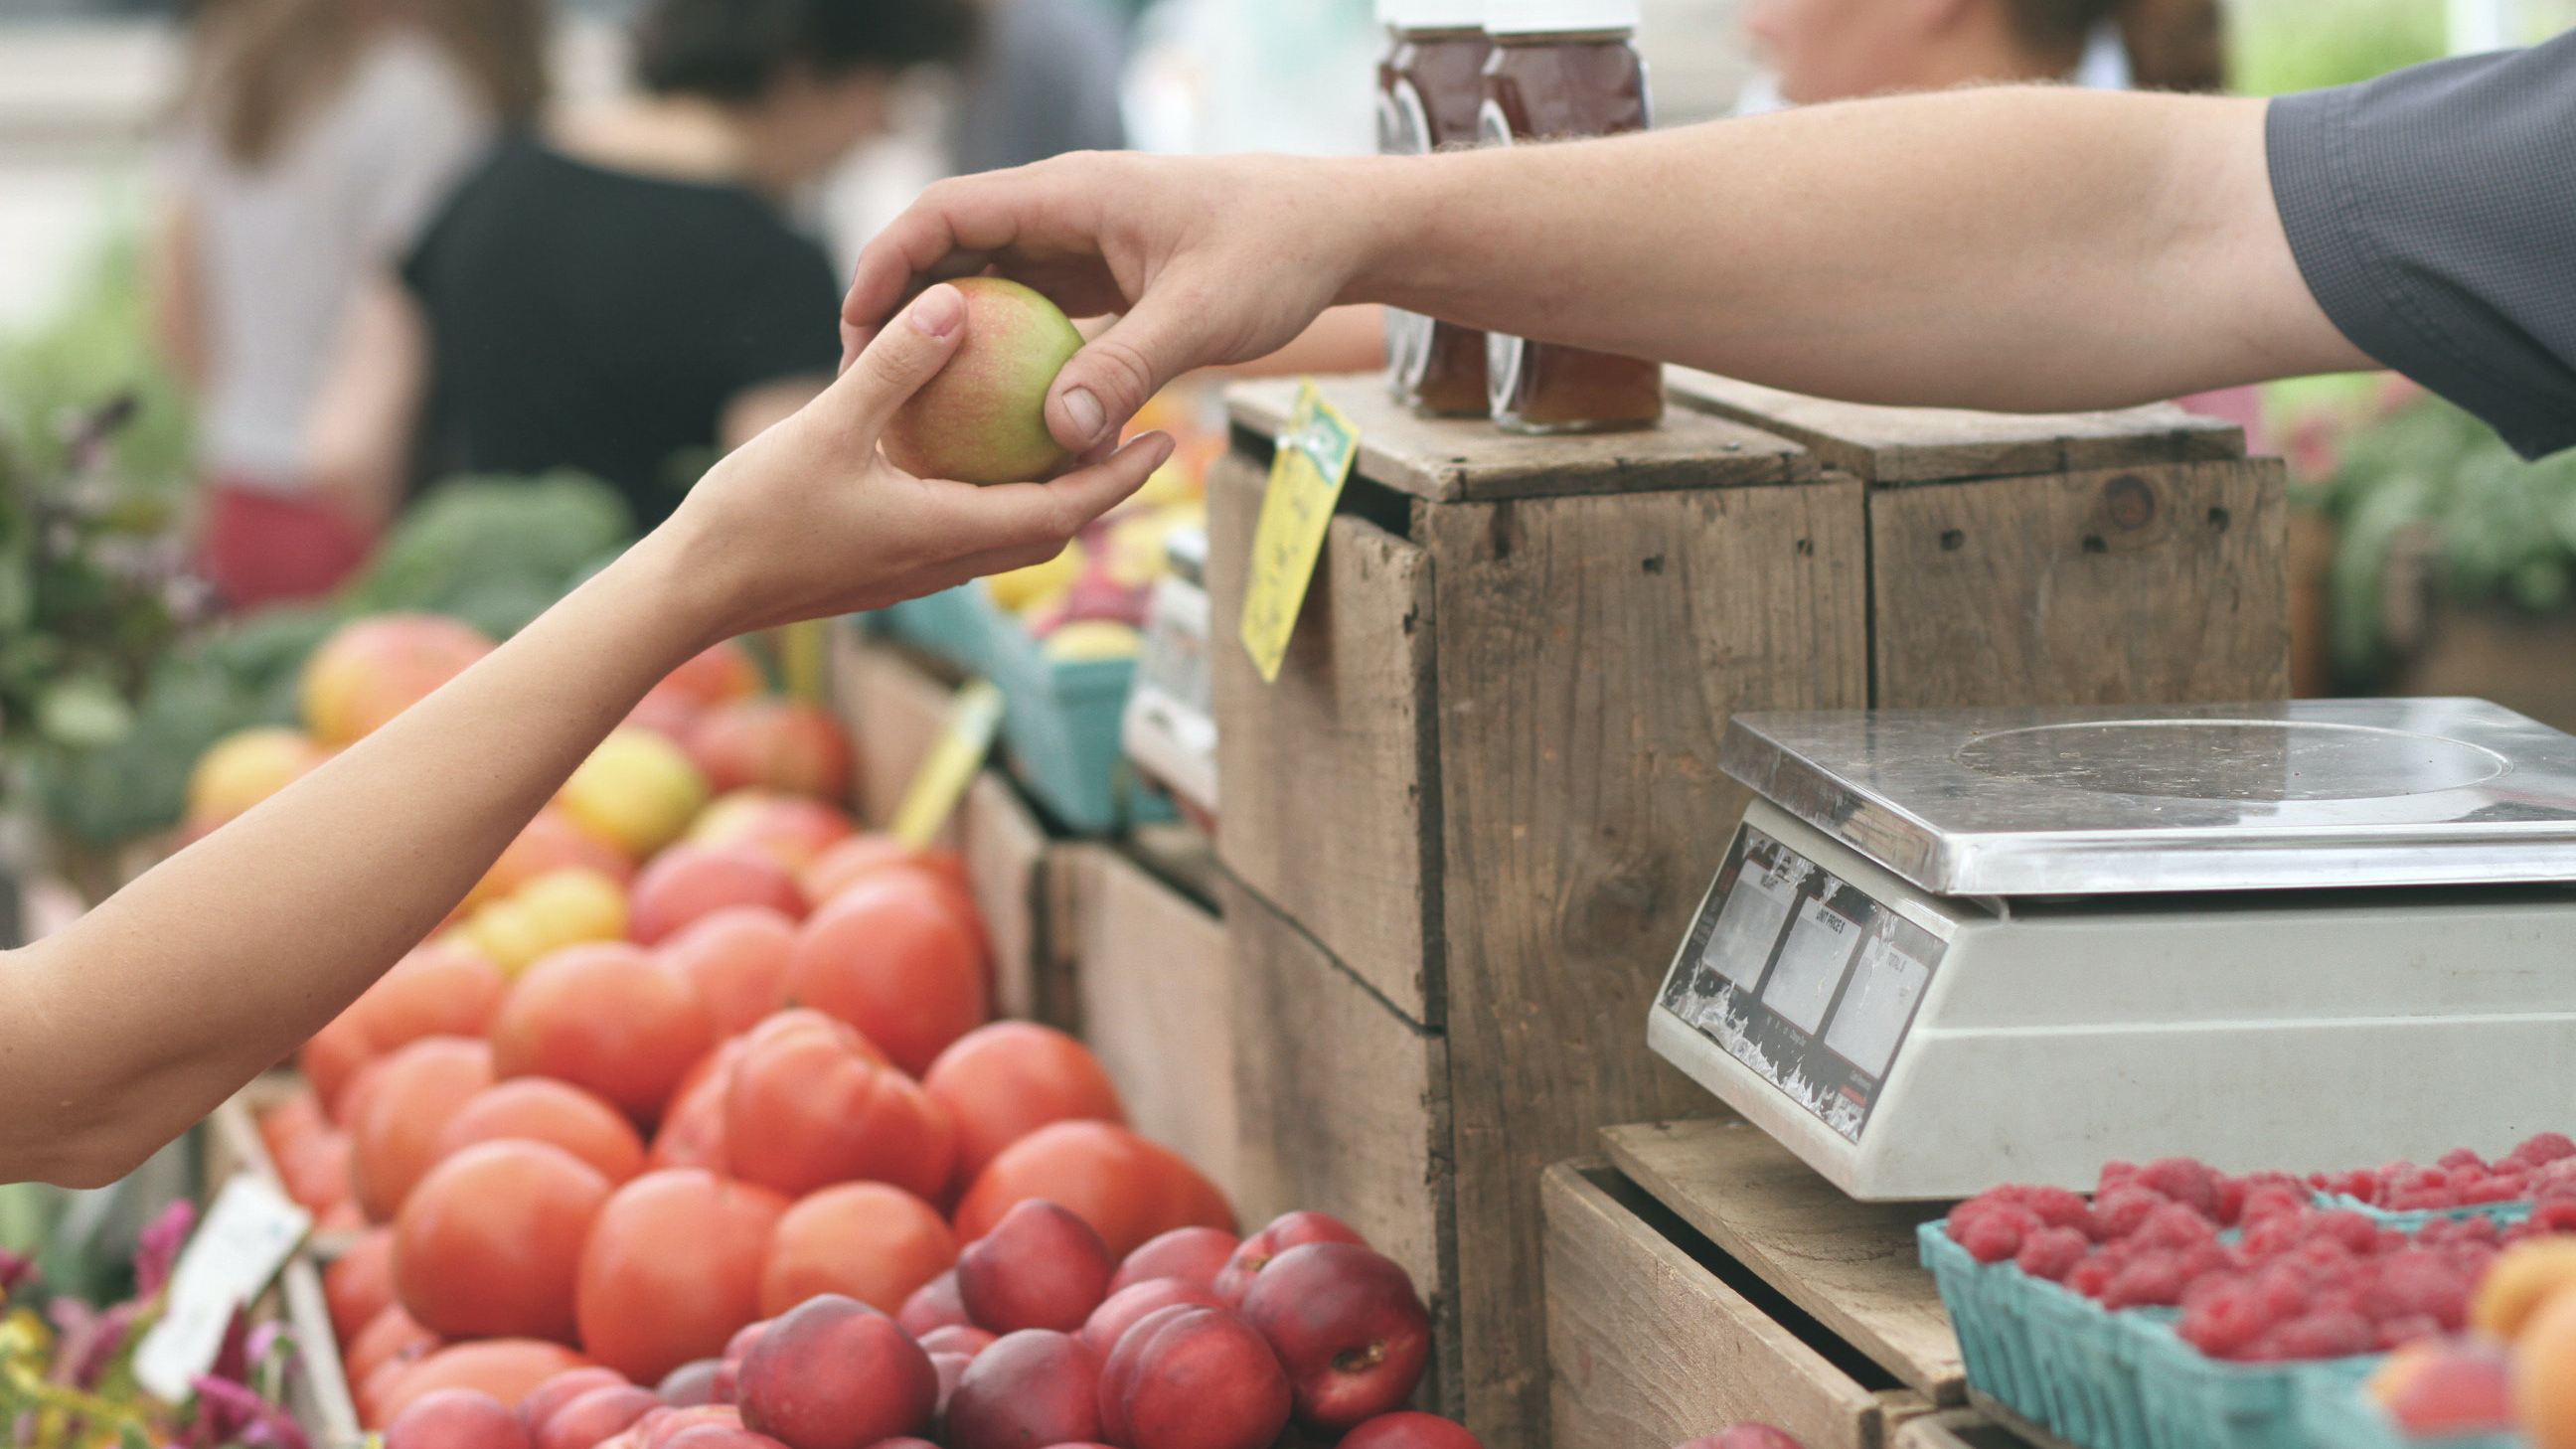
x,y
2029,248
120,1030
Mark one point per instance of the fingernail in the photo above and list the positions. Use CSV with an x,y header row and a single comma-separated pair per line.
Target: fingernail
x,y
1086,413
938,311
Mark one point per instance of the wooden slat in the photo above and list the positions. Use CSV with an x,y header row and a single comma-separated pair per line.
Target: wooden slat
x,y
894,711
1956,1429
1590,652
1449,459
1851,1264
1158,1011
319,1396
1648,1348
1325,768
1891,446
1005,851
2163,585
1344,1105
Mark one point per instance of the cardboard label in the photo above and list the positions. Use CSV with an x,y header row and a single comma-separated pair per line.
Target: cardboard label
x,y
244,1240
1307,472
943,775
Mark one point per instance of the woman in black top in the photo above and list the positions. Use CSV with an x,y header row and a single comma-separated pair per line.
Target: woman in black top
x,y
622,295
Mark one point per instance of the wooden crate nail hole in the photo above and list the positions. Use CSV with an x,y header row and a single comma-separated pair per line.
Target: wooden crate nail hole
x,y
1806,548
2093,544
1654,565
2218,519
1952,540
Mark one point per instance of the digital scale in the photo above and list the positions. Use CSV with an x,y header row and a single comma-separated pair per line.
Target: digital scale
x,y
1954,948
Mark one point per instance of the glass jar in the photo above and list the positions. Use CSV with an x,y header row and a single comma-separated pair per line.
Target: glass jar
x,y
1431,89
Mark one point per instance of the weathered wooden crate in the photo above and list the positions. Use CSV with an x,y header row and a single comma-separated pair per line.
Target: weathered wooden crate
x,y
1482,797
1702,1275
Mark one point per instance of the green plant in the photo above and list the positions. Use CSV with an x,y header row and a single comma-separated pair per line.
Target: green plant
x,y
2280,46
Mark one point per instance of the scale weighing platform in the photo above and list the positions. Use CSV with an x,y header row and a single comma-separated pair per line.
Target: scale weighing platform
x,y
1954,948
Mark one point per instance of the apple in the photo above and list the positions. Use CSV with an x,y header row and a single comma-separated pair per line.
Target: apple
x,y
1128,1306
1032,1388
982,419
1288,1230
456,1419
1348,1328
1193,1255
833,1373
1409,1429
1193,1378
1040,1267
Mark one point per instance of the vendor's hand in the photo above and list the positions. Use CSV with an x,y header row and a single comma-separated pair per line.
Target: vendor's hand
x,y
1210,259
809,518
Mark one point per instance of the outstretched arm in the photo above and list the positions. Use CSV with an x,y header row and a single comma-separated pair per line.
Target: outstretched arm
x,y
2031,249
122,1029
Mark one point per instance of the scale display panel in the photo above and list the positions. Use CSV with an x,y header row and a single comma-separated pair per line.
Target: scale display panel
x,y
1802,977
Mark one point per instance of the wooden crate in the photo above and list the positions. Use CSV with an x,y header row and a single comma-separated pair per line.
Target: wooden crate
x,y
1483,798
319,1395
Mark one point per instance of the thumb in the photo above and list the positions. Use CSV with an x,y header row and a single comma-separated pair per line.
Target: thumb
x,y
1114,374
907,351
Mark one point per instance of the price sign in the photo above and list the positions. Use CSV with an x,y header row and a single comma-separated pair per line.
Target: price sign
x,y
1306,476
244,1240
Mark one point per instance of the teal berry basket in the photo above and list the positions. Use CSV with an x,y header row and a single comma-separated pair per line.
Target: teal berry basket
x,y
1060,717
2334,1413
2506,1214
2193,1401
2055,1357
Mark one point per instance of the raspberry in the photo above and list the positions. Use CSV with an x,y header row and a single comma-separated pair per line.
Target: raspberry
x,y
2153,1280
2059,1208
2415,1283
2222,1324
2349,1228
2506,1187
2460,1157
2119,1211
2115,1174
2540,1150
2174,1226
2185,1181
2264,1203
2277,1232
2324,1333
2094,1274
1994,1236
2052,1253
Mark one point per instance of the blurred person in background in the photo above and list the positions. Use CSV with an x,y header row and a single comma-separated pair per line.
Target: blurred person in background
x,y
1043,80
312,140
623,294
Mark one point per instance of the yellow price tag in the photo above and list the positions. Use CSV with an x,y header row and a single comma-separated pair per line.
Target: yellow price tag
x,y
940,781
1306,476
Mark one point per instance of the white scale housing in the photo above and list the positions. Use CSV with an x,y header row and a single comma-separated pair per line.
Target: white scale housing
x,y
1950,949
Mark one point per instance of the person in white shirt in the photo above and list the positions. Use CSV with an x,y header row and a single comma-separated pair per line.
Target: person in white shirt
x,y
312,142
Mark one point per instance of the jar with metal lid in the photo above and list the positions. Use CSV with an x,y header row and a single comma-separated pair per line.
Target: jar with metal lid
x,y
1431,87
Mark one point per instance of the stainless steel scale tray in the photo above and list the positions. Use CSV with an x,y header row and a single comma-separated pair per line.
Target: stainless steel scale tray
x,y
2124,800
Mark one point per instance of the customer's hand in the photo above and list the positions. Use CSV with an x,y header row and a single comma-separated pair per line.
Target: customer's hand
x,y
809,518
1210,259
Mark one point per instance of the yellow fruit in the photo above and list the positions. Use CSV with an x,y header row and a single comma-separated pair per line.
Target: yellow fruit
x,y
2544,1372
1016,589
560,908
1093,639
1170,483
2519,1279
726,815
637,791
244,768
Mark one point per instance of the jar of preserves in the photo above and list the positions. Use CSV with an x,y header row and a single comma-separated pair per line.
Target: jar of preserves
x,y
1431,89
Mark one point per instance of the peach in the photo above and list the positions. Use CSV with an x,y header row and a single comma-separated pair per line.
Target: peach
x,y
374,668
834,1373
688,882
595,1416
1193,1255
1030,1389
660,1428
1409,1429
721,1436
935,1305
2544,1373
791,829
2518,1280
962,1338
772,744
2457,1388
562,1389
637,791
456,1419
1288,1230
1348,1328
244,768
1123,1309
691,1384
982,419
1040,1267
1193,1378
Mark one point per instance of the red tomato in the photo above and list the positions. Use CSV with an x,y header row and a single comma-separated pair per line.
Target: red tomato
x,y
672,1269
737,960
1129,1189
721,671
316,1169
402,1113
889,957
687,882
865,1240
807,1106
508,1369
541,1109
331,1057
359,1283
603,1016
488,1245
790,829
775,744
293,1119
692,1132
391,1337
548,842
1003,1081
440,989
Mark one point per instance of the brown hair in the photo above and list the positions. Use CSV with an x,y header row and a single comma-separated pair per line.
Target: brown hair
x,y
2174,45
258,68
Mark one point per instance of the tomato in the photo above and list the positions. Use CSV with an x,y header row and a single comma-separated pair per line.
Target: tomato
x,y
721,671
559,1391
808,1107
291,1120
541,1109
737,960
603,1016
673,1269
403,1111
440,989
331,1057
867,1240
509,1369
391,1337
1129,1189
1004,1081
687,882
790,829
359,1283
775,744
549,842
889,957
855,859
692,1132
489,1243
315,1168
